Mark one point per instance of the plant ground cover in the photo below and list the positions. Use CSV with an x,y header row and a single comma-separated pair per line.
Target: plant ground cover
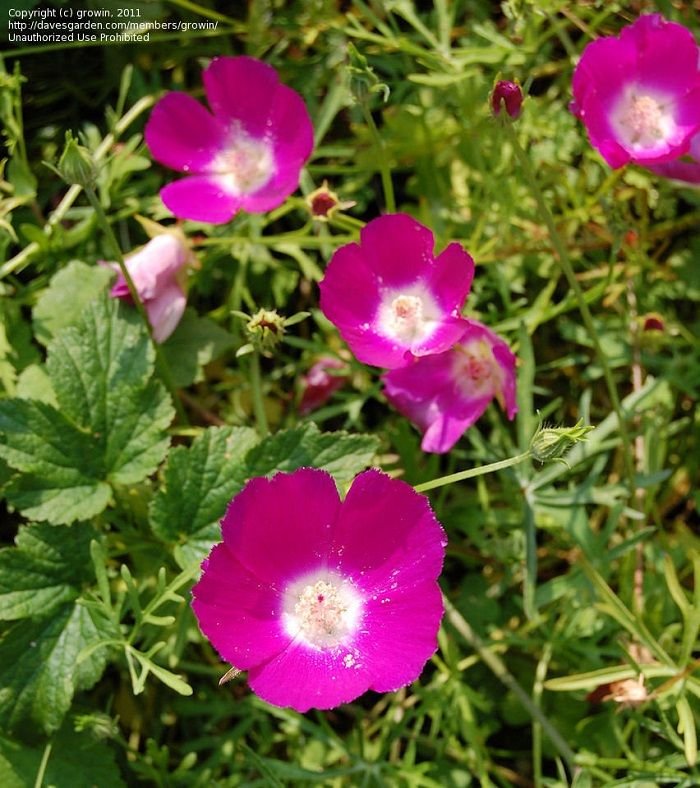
x,y
568,652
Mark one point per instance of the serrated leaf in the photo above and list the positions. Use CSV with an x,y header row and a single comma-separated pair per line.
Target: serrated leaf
x,y
195,342
60,465
341,454
68,293
38,665
78,760
110,428
199,481
44,570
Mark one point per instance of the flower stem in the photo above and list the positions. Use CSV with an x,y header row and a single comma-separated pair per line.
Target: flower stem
x,y
21,258
566,266
257,394
499,669
472,472
384,172
161,363
42,766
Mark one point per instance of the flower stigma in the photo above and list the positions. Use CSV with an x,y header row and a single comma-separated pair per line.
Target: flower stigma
x,y
641,120
408,316
322,611
246,163
476,370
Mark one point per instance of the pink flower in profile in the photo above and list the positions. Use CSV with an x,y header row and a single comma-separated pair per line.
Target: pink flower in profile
x,y
445,394
154,270
639,93
247,154
391,298
319,384
321,600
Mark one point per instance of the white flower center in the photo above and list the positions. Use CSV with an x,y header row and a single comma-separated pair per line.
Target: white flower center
x,y
408,316
245,164
477,372
323,610
642,121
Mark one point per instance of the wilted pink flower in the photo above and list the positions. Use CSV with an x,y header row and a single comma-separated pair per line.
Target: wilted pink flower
x,y
391,298
639,93
154,270
321,600
248,154
509,95
319,384
445,394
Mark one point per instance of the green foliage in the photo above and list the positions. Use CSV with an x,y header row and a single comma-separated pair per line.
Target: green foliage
x,y
110,429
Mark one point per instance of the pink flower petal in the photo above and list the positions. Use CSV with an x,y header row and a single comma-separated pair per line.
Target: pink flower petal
x,y
386,536
401,635
241,90
398,249
451,278
181,134
290,128
278,514
201,198
165,310
237,612
304,678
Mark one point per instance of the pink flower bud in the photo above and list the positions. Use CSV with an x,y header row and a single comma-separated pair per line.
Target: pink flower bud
x,y
507,94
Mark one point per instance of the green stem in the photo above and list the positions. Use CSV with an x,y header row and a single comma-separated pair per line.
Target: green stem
x,y
472,472
498,668
566,266
38,783
257,394
384,172
161,363
19,260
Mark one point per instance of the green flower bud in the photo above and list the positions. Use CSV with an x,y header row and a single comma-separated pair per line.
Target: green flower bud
x,y
363,81
265,330
552,443
76,164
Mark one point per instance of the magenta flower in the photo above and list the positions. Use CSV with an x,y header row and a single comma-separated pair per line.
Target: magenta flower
x,y
319,383
154,270
639,93
391,298
445,394
321,600
248,154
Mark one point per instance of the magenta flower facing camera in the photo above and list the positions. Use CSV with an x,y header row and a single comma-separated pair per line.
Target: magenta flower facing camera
x,y
154,270
444,394
638,93
246,155
391,298
320,599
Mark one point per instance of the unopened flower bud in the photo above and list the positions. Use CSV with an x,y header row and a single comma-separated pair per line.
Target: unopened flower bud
x,y
653,322
552,443
76,164
323,203
509,95
265,330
